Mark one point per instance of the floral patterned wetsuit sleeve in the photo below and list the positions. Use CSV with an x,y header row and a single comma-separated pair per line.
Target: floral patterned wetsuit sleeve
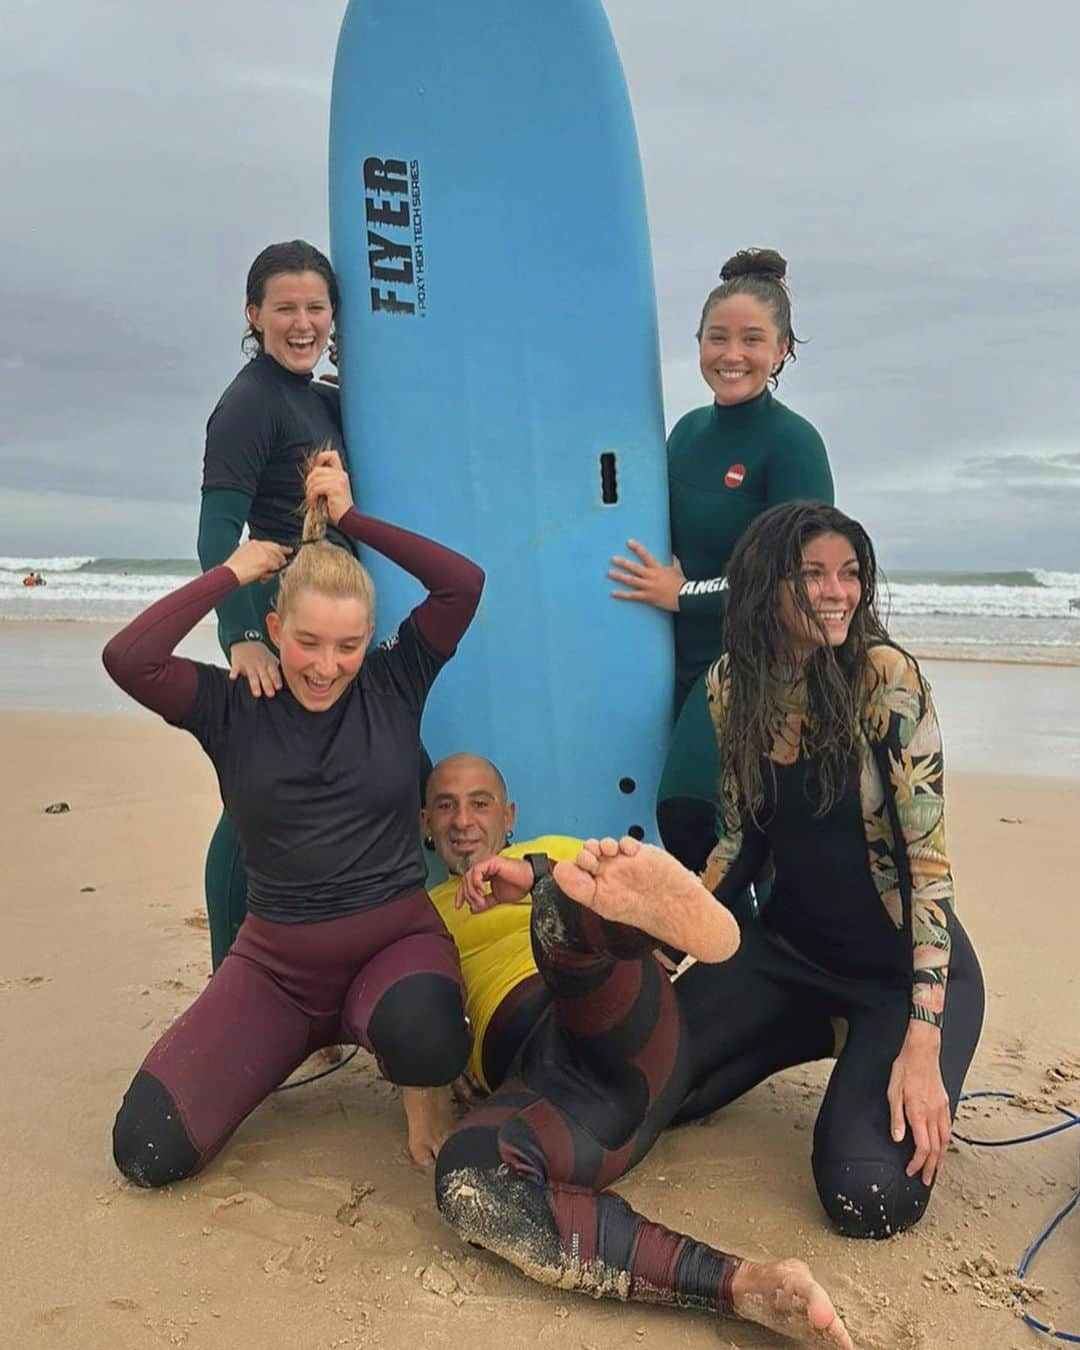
x,y
906,742
741,849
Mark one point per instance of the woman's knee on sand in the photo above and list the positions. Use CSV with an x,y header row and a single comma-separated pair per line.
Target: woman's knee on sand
x,y
151,1146
870,1197
418,1031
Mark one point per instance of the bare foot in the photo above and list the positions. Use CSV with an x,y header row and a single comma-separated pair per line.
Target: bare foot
x,y
785,1297
648,889
429,1115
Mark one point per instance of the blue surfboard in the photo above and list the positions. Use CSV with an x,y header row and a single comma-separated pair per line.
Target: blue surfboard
x,y
500,378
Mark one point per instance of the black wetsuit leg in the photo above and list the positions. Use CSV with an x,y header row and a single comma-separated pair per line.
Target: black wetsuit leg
x,y
769,1007
746,1020
591,1089
226,890
858,1169
510,1027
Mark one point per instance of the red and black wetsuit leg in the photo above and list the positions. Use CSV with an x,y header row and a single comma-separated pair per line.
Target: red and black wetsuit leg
x,y
602,1074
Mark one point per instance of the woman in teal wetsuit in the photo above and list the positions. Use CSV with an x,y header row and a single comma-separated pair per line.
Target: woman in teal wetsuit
x,y
727,462
265,423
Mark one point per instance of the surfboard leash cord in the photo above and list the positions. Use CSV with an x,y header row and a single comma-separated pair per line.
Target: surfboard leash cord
x,y
1049,1228
1025,1261
323,1073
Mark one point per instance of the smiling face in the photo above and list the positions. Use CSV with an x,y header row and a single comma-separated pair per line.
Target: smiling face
x,y
466,812
321,642
293,319
739,348
830,575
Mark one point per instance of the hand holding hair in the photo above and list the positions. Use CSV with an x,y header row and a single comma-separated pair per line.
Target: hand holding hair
x,y
327,478
257,560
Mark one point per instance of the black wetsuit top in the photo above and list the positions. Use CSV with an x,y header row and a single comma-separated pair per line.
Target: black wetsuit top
x,y
324,803
257,437
823,898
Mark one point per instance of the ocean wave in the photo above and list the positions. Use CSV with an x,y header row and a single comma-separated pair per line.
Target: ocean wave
x,y
148,567
24,565
1034,577
1068,581
1017,602
82,583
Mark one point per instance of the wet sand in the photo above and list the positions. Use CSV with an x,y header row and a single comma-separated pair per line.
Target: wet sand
x,y
999,717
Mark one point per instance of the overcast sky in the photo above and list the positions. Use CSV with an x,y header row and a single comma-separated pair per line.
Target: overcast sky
x,y
918,164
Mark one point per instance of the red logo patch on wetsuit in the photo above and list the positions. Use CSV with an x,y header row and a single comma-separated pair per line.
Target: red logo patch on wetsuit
x,y
734,476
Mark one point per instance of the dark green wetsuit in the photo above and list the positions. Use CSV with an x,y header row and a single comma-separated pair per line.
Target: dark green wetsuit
x,y
264,425
725,466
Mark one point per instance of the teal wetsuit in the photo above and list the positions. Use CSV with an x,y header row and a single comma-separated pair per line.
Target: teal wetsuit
x,y
264,425
725,466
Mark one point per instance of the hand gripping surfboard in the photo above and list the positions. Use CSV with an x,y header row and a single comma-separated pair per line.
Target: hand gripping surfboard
x,y
500,378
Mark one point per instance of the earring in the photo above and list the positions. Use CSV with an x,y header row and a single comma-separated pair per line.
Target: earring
x,y
509,835
429,843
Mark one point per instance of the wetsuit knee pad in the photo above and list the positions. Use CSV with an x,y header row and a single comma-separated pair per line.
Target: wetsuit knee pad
x,y
419,1032
870,1197
150,1144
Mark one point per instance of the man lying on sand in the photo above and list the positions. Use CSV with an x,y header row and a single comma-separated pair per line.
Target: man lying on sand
x,y
600,1065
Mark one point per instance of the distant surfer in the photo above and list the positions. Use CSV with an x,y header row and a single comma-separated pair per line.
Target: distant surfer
x,y
265,423
341,942
727,462
34,579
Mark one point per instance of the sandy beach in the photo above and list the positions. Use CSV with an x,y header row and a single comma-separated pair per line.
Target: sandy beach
x,y
313,1228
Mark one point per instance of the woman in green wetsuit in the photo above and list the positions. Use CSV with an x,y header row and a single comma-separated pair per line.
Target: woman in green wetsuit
x,y
265,423
727,462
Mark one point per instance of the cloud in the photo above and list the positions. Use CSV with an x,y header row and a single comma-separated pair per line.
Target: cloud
x,y
918,165
1021,468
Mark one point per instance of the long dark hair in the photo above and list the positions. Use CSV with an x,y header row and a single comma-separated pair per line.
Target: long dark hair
x,y
762,670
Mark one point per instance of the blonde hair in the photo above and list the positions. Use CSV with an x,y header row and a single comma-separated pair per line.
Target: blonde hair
x,y
320,566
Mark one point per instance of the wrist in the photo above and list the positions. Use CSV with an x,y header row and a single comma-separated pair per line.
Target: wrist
x,y
247,635
922,1036
539,865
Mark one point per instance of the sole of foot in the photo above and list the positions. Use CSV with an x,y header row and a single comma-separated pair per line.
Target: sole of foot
x,y
650,890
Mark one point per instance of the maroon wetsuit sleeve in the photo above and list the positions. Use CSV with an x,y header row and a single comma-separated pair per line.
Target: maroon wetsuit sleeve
x,y
453,582
140,657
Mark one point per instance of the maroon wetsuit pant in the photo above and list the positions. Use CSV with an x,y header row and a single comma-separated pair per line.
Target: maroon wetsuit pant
x,y
387,979
599,1077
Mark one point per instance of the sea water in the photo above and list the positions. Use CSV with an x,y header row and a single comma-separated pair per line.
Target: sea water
x,y
1012,616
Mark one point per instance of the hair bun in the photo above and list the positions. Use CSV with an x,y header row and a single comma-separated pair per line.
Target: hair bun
x,y
760,262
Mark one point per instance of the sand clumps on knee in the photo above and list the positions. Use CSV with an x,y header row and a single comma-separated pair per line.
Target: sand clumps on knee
x,y
484,1213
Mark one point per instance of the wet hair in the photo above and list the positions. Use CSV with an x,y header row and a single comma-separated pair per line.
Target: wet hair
x,y
758,272
763,672
293,257
321,566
